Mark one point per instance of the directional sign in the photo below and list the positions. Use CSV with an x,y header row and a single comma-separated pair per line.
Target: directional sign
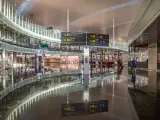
x,y
44,45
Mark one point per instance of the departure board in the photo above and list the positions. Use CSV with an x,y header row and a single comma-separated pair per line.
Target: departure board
x,y
78,38
97,39
74,109
78,109
73,38
97,107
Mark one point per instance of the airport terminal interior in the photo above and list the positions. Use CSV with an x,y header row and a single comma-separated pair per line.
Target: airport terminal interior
x,y
79,59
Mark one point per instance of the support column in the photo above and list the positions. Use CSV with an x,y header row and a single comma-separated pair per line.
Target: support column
x,y
12,76
14,66
113,31
26,64
152,66
67,63
91,63
36,63
1,5
3,66
86,68
152,57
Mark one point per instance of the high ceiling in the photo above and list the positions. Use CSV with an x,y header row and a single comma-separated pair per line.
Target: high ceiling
x,y
85,15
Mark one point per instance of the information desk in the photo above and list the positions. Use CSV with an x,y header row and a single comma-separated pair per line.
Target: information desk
x,y
78,109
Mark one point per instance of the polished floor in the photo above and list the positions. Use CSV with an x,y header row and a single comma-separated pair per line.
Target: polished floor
x,y
116,92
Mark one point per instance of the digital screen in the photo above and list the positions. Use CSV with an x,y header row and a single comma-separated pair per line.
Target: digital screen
x,y
78,109
77,38
73,38
97,106
98,39
72,34
73,109
97,36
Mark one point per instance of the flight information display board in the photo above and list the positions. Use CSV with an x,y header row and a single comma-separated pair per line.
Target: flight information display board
x,y
73,38
97,107
77,38
78,109
74,109
97,39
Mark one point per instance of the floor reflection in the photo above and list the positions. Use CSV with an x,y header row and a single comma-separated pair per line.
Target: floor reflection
x,y
20,72
108,77
26,90
99,90
145,95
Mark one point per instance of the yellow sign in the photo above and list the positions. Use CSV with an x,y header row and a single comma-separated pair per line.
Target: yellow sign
x,y
68,109
67,40
92,36
68,34
92,41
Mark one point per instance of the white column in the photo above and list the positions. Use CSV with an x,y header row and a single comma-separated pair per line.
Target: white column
x,y
31,26
4,9
7,6
0,5
15,18
86,66
22,21
12,70
4,64
9,11
38,31
67,20
12,13
28,27
67,62
113,32
19,19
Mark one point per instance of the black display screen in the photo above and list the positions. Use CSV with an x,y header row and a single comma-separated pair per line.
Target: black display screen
x,y
73,38
97,39
78,109
77,38
74,109
97,106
